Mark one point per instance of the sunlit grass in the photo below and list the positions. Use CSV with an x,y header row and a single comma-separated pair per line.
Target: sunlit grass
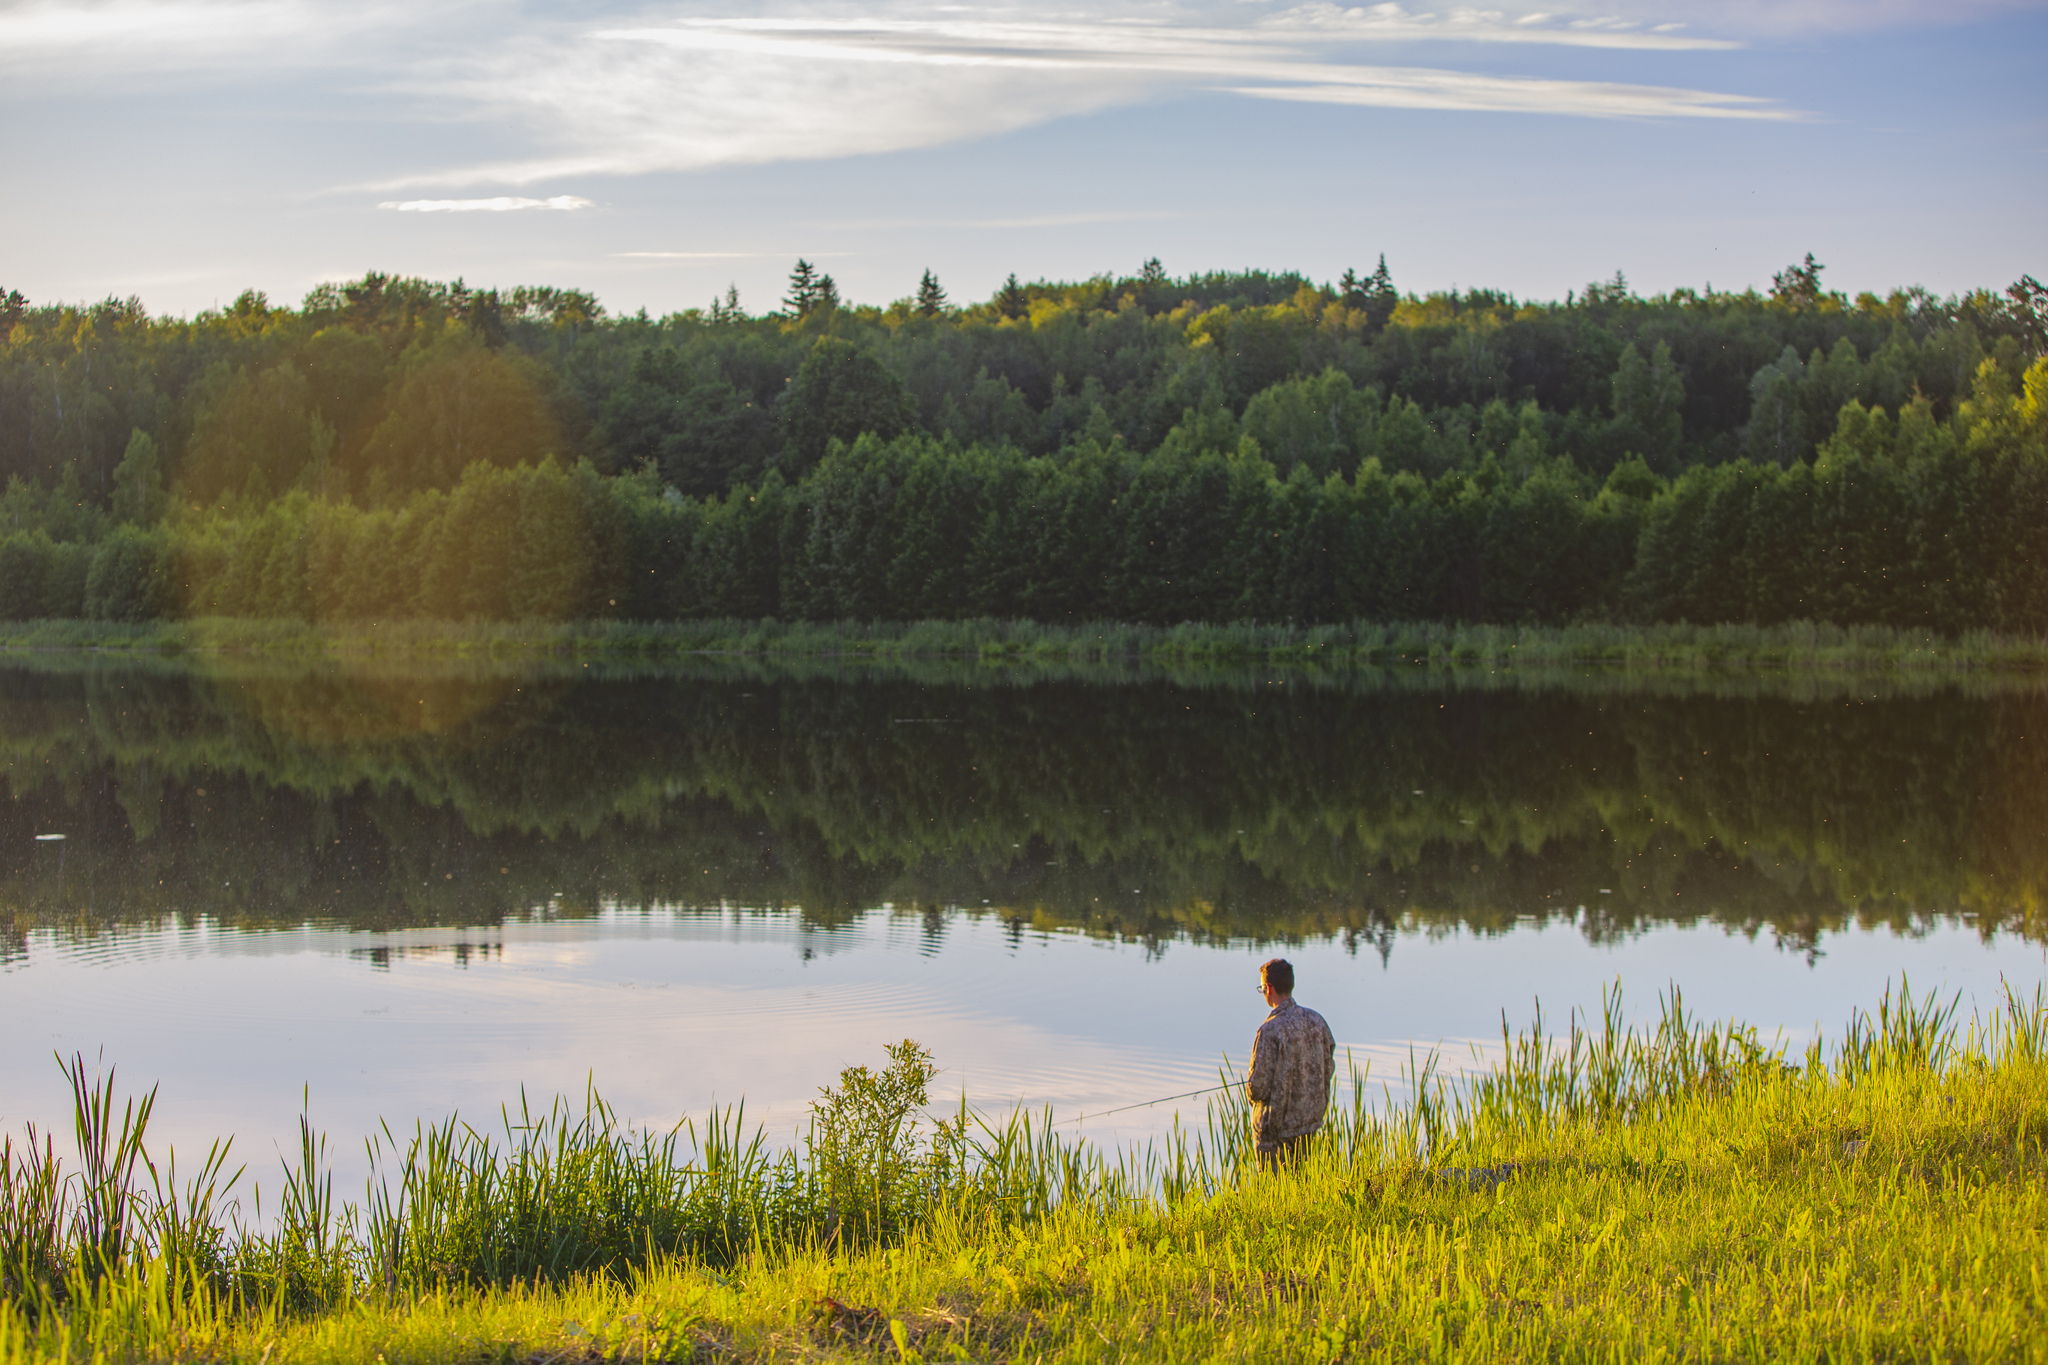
x,y
1674,1192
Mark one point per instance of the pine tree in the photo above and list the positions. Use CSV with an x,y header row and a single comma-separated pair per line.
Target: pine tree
x,y
931,300
1011,300
1798,285
727,309
13,305
828,294
803,289
2027,306
1152,287
1381,296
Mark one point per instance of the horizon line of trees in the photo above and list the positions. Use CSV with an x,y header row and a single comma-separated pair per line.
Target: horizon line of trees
x,y
1149,449
1901,520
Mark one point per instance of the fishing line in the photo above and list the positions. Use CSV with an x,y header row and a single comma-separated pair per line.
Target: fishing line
x,y
1147,1104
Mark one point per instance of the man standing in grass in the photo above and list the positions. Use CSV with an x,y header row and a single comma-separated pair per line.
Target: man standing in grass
x,y
1294,1057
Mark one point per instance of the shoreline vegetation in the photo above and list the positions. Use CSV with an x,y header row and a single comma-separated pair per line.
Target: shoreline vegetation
x,y
1618,1191
1651,649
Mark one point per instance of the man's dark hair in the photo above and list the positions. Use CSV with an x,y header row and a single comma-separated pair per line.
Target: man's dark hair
x,y
1279,974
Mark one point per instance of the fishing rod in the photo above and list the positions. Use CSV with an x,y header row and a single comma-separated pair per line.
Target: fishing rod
x,y
1147,1104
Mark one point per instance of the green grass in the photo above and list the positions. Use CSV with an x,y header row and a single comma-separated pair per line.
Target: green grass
x,y
1674,1192
1800,646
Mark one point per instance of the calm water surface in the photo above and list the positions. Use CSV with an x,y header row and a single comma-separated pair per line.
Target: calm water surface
x,y
401,891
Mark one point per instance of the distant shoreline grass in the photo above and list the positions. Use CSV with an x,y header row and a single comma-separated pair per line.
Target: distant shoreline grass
x,y
1672,1192
1795,647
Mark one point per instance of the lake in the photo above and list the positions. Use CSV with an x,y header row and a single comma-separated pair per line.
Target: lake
x,y
387,890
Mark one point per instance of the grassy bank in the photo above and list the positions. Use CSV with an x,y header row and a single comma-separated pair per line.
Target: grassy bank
x,y
1674,1192
1650,649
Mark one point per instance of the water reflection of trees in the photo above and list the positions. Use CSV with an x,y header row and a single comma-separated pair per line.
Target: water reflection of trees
x,y
1153,809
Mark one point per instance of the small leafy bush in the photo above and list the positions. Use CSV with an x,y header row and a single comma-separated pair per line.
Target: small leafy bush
x,y
875,1167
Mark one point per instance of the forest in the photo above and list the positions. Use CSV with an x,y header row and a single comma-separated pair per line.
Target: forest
x,y
1221,447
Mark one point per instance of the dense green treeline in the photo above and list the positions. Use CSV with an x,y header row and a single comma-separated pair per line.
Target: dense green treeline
x,y
1907,521
1152,809
381,386
1147,449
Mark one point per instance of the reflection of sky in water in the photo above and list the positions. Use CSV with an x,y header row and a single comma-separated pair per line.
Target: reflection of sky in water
x,y
669,1014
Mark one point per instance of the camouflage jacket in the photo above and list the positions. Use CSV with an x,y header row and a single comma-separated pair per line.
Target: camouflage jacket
x,y
1294,1057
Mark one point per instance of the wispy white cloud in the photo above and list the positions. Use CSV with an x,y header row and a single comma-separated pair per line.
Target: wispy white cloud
x,y
701,92
561,203
625,87
61,38
1394,23
1755,19
1418,88
49,41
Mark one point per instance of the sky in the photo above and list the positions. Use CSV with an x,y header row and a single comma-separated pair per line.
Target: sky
x,y
182,151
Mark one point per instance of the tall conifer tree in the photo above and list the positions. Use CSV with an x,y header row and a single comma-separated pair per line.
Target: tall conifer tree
x,y
1011,300
803,289
1381,296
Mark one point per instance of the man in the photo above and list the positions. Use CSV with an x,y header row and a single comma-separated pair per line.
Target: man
x,y
1294,1057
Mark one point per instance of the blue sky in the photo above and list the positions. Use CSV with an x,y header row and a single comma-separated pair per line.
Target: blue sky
x,y
184,150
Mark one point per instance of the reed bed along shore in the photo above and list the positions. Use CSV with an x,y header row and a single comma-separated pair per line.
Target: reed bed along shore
x,y
1675,1191
1251,673
1799,646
